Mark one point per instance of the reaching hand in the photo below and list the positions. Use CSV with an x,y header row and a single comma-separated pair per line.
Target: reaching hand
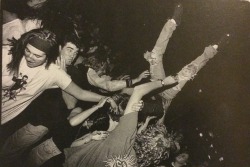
x,y
150,117
138,106
113,104
102,102
99,135
144,74
124,77
60,61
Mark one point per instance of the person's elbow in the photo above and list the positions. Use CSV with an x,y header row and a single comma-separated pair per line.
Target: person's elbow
x,y
73,122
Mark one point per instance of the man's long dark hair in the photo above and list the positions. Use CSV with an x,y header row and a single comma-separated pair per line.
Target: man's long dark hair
x,y
18,48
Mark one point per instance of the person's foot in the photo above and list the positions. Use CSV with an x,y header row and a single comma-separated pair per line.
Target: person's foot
x,y
223,41
178,13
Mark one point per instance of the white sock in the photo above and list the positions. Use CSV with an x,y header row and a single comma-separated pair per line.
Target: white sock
x,y
172,20
215,46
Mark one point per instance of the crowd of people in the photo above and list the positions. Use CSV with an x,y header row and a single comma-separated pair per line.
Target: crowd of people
x,y
67,102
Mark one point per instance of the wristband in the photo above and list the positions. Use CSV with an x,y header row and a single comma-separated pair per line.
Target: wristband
x,y
128,83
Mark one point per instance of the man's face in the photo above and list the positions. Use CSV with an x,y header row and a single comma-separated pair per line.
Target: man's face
x,y
34,57
69,52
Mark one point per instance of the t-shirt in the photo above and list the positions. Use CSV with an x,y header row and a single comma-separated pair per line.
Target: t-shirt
x,y
115,150
19,91
12,29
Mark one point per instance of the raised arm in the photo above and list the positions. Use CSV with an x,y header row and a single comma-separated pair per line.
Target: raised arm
x,y
106,83
79,118
85,95
81,94
141,90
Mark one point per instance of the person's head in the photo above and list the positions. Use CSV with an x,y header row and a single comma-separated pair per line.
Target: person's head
x,y
69,48
38,47
97,60
121,100
100,120
182,158
152,146
97,121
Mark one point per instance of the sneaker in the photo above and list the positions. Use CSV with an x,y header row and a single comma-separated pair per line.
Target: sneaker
x,y
177,13
224,40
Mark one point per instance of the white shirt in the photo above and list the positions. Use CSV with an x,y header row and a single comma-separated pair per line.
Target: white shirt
x,y
14,101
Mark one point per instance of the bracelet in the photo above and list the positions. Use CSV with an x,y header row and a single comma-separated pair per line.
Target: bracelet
x,y
128,83
162,82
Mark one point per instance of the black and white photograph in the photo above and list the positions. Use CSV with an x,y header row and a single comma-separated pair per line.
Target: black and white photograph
x,y
125,83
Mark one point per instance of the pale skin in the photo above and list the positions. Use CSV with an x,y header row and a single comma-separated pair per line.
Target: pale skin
x,y
78,116
97,135
35,57
138,93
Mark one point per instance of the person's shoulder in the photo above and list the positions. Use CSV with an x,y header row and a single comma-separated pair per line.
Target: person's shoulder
x,y
53,66
55,69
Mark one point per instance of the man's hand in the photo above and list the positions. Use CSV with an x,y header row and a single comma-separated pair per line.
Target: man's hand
x,y
138,106
113,104
102,102
60,61
144,74
150,118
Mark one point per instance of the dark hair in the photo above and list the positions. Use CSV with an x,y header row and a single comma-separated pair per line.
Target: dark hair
x,y
18,47
72,38
100,120
101,117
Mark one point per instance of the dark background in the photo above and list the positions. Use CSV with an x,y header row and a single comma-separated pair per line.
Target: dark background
x,y
217,100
